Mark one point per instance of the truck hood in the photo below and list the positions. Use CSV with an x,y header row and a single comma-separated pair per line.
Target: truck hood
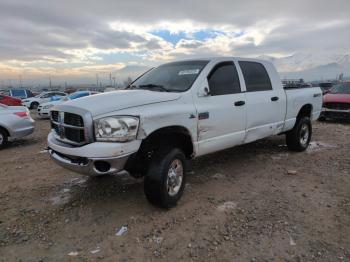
x,y
122,99
336,98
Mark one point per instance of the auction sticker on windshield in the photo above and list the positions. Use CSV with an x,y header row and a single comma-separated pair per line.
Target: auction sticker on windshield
x,y
189,72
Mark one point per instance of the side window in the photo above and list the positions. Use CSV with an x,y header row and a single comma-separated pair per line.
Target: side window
x,y
255,76
224,80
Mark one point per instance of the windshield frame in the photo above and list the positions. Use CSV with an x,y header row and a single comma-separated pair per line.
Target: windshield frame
x,y
204,61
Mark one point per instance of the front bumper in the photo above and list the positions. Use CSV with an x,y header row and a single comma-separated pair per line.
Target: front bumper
x,y
43,113
26,104
94,159
335,113
90,166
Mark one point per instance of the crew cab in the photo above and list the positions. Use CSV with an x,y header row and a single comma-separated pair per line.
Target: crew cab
x,y
177,112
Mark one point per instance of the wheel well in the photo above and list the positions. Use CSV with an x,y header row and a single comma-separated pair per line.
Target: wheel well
x,y
6,131
172,136
176,136
305,111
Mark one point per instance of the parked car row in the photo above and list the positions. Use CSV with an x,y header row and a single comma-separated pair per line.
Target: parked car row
x,y
15,119
44,108
34,102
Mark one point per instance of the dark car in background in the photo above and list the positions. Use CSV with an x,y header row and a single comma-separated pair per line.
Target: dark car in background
x,y
18,93
10,101
336,102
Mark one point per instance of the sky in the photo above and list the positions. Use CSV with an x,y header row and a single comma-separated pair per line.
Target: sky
x,y
76,40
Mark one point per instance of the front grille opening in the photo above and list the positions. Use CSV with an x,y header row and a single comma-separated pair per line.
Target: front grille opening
x,y
54,116
69,127
75,135
73,120
339,106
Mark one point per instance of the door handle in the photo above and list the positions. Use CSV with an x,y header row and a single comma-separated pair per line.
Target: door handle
x,y
274,98
239,103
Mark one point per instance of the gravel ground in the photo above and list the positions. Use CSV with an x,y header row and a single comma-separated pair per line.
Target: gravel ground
x,y
257,202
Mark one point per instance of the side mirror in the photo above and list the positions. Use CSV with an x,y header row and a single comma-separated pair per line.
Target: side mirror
x,y
204,92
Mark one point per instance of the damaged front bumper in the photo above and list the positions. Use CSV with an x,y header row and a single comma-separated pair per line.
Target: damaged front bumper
x,y
94,159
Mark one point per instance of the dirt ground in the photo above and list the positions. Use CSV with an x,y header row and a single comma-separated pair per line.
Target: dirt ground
x,y
257,202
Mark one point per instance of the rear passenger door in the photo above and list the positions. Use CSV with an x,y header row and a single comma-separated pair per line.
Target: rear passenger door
x,y
221,113
265,105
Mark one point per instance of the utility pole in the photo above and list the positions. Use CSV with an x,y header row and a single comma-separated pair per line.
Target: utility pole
x,y
97,80
20,81
114,81
50,84
110,79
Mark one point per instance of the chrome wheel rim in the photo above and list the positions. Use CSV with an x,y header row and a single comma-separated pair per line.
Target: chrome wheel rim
x,y
1,139
175,177
304,134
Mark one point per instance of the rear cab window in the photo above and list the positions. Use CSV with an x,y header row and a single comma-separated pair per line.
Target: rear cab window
x,y
223,79
255,76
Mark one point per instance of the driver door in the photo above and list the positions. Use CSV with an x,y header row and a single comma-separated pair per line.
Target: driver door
x,y
222,112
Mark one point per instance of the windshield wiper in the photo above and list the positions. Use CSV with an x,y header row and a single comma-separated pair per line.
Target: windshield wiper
x,y
151,86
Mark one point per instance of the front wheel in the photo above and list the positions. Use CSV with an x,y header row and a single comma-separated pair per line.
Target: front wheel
x,y
34,105
3,138
165,180
298,139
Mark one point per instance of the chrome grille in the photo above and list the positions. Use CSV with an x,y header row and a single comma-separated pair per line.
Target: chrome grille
x,y
68,127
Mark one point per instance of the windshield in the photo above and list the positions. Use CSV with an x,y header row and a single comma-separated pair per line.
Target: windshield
x,y
343,88
172,77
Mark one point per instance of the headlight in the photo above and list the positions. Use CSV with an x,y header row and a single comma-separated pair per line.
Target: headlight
x,y
116,128
47,106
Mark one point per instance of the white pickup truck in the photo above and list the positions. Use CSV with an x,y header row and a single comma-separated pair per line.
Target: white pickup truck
x,y
176,112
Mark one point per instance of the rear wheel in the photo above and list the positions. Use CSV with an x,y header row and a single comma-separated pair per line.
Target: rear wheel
x,y
34,105
165,179
3,138
298,139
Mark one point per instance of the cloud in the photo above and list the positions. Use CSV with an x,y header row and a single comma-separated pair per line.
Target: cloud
x,y
39,36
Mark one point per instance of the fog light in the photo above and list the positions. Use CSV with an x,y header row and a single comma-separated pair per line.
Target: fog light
x,y
102,166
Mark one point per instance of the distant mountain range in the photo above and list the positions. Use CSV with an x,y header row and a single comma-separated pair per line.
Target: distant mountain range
x,y
311,66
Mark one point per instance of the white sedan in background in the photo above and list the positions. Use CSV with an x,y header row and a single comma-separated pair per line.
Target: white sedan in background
x,y
34,102
15,122
44,109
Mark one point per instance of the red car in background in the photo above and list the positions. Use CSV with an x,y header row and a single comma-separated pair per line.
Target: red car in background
x,y
10,101
336,102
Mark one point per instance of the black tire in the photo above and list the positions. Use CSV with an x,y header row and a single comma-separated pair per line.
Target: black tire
x,y
34,105
3,138
296,138
321,119
156,181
